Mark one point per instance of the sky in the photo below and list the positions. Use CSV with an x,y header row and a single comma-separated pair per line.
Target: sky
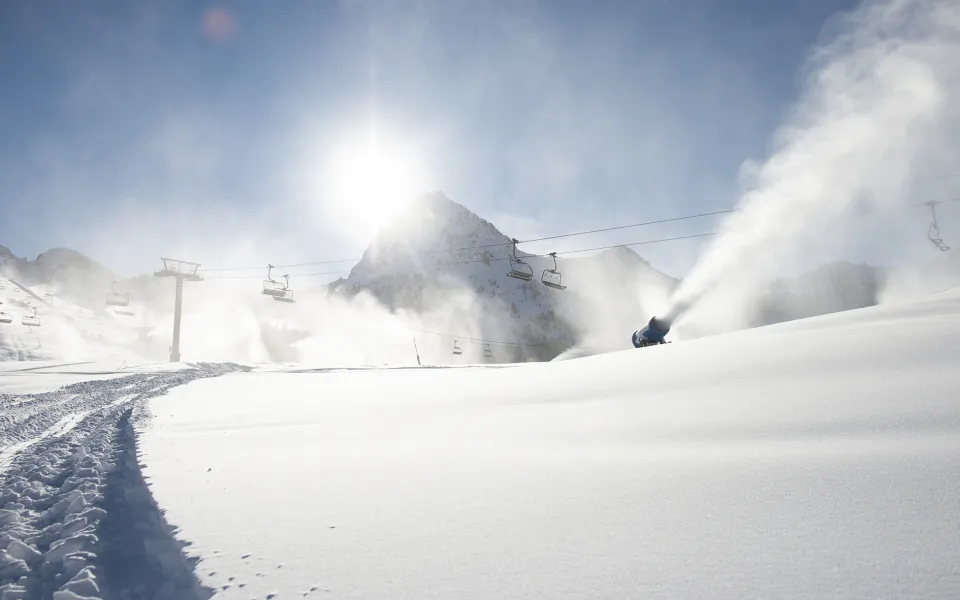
x,y
240,133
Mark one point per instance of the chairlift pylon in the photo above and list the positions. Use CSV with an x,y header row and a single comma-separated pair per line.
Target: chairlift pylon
x,y
519,269
31,320
933,234
115,298
280,292
551,277
457,349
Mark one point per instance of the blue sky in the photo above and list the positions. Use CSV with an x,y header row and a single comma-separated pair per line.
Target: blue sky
x,y
130,130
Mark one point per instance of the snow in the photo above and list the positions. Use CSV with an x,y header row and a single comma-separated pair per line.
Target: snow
x,y
811,459
77,520
68,333
33,377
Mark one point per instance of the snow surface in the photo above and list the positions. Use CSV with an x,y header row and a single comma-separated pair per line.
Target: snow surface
x,y
77,520
812,459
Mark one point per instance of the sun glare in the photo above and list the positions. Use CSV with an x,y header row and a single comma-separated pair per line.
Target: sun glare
x,y
372,180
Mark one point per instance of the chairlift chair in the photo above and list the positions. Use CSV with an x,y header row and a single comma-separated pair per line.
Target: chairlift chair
x,y
487,352
115,298
124,311
457,349
279,291
31,320
519,269
933,234
551,277
6,317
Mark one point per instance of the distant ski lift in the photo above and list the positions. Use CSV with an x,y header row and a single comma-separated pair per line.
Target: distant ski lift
x,y
115,298
519,269
457,349
487,352
6,317
933,234
124,311
279,291
31,320
551,277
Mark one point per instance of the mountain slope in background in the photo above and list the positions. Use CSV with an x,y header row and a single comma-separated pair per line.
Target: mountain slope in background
x,y
443,269
448,265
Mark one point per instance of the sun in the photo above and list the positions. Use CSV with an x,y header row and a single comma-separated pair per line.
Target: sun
x,y
372,179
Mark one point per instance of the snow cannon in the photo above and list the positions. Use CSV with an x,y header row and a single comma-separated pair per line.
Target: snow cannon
x,y
653,334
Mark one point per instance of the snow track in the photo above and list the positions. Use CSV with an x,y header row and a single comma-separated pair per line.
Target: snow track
x,y
77,519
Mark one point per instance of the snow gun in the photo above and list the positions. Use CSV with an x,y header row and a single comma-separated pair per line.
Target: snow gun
x,y
652,334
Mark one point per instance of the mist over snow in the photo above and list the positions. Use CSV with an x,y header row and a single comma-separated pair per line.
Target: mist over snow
x,y
431,287
880,108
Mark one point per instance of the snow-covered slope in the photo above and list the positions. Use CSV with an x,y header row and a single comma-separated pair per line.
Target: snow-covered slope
x,y
43,326
811,459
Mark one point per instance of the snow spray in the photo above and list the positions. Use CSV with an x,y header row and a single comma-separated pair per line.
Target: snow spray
x,y
879,106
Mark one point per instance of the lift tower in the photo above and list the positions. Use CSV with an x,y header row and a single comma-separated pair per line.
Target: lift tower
x,y
180,270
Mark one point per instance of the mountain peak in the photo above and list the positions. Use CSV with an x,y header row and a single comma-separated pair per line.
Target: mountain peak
x,y
432,228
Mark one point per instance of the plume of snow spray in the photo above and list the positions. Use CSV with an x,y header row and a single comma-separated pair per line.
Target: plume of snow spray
x,y
880,101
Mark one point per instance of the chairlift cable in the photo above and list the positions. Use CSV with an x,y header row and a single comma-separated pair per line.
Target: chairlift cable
x,y
499,244
480,260
565,235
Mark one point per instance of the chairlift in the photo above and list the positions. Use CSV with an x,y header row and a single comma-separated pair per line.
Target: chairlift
x,y
519,269
124,311
457,349
115,298
487,352
279,291
551,277
933,234
6,317
31,320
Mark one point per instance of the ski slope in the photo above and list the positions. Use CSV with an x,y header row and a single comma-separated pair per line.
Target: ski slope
x,y
812,459
76,518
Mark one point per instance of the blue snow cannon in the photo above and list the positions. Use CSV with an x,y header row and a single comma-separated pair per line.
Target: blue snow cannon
x,y
653,334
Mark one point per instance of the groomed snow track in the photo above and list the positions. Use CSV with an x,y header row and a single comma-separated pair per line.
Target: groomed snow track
x,y
77,518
